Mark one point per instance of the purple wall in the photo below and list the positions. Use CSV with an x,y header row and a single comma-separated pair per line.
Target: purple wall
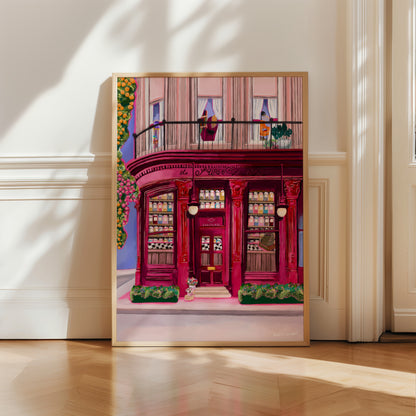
x,y
127,256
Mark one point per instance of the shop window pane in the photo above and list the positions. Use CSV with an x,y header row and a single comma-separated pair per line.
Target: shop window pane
x,y
217,259
261,252
218,243
205,243
261,210
205,259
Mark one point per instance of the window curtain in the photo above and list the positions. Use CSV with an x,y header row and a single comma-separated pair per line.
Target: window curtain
x,y
202,103
257,106
217,107
150,137
272,102
161,117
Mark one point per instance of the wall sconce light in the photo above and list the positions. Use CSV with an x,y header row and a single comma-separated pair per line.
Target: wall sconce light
x,y
193,205
193,208
282,206
281,209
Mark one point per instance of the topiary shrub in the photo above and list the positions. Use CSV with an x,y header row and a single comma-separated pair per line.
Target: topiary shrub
x,y
141,294
256,293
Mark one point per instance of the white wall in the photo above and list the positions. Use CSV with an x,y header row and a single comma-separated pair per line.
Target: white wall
x,y
55,137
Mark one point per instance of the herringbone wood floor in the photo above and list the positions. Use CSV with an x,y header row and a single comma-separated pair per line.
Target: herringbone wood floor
x,y
88,378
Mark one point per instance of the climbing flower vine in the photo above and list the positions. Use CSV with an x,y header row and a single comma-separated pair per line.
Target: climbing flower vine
x,y
127,190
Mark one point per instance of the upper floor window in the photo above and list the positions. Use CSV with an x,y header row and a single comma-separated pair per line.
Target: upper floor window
x,y
156,113
264,109
264,106
210,109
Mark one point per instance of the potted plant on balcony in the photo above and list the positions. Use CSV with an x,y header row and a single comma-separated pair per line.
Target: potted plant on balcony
x,y
280,137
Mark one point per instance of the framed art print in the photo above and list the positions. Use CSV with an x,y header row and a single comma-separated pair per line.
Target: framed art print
x,y
210,209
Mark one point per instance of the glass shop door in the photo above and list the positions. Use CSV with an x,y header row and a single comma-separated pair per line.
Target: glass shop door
x,y
210,256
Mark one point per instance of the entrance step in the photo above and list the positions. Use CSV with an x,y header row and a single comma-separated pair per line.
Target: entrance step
x,y
212,292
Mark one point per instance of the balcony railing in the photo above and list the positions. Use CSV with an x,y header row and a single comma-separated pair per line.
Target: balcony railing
x,y
221,135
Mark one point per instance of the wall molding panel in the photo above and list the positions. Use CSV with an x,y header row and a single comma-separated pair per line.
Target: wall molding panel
x,y
411,276
320,213
327,248
55,177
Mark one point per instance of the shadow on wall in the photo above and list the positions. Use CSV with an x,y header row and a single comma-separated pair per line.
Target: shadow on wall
x,y
90,266
46,35
63,245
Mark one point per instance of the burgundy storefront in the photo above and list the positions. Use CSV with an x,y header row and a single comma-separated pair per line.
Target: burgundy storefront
x,y
236,236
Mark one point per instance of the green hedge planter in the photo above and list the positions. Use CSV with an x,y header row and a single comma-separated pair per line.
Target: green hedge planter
x,y
142,294
255,294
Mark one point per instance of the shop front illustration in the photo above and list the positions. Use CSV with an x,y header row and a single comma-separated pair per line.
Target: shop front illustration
x,y
245,225
216,170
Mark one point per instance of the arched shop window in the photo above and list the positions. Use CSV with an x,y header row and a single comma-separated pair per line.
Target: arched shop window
x,y
262,236
160,228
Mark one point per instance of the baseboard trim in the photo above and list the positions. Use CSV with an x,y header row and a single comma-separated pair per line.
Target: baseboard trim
x,y
55,313
404,320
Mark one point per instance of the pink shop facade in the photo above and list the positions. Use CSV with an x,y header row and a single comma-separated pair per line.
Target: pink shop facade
x,y
207,141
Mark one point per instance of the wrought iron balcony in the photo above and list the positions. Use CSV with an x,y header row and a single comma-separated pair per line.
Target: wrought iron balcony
x,y
203,135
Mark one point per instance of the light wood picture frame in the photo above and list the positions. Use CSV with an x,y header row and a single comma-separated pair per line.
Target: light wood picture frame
x,y
210,209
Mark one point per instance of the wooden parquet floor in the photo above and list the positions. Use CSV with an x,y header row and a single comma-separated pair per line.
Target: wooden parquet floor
x,y
88,378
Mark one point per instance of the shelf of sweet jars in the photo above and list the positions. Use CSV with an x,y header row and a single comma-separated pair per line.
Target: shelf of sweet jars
x,y
261,222
161,220
156,229
212,199
261,196
161,234
261,208
161,207
212,205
